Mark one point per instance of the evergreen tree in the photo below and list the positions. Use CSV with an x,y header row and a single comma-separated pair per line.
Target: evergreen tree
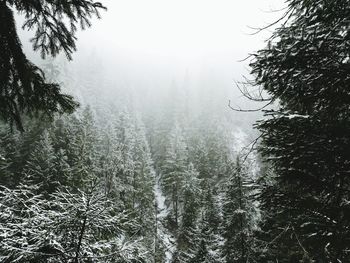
x,y
72,227
238,211
27,142
208,248
40,168
187,234
210,210
24,87
82,153
306,141
173,170
203,253
8,157
125,132
110,162
143,185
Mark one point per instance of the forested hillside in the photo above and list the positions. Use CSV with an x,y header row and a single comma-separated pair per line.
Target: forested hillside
x,y
103,185
145,150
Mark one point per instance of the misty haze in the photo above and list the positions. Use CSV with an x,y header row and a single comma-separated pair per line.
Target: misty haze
x,y
199,131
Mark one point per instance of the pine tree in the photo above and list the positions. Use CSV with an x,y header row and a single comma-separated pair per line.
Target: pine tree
x,y
127,170
82,153
26,143
203,253
305,68
72,227
21,217
143,184
187,234
110,162
238,211
209,152
8,157
173,170
25,89
125,132
211,211
40,168
209,239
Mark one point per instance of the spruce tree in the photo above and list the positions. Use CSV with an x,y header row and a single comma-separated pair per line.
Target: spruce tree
x,y
210,207
209,239
8,157
40,168
238,211
25,89
173,170
202,255
83,226
110,162
305,68
82,153
143,186
125,132
187,234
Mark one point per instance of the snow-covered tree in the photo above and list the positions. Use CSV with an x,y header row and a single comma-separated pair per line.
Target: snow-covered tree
x,y
8,157
143,183
82,152
125,132
209,239
306,139
187,234
110,163
40,168
71,227
173,171
238,212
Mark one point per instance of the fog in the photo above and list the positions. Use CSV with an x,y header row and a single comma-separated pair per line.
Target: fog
x,y
157,53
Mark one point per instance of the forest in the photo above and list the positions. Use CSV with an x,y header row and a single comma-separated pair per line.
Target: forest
x,y
103,163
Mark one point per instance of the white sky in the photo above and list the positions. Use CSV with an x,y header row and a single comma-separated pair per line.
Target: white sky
x,y
182,29
146,40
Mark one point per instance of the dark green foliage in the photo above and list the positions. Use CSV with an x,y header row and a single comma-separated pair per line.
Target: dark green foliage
x,y
238,212
60,164
173,171
187,234
83,148
211,211
40,168
306,69
24,89
208,238
8,157
207,245
202,254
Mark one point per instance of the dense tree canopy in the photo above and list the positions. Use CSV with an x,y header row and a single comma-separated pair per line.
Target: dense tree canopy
x,y
306,140
23,86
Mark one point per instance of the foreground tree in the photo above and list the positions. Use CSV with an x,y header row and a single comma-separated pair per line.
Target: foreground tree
x,y
306,69
71,228
24,89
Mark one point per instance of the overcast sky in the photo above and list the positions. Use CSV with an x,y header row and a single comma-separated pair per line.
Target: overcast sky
x,y
182,30
186,33
142,41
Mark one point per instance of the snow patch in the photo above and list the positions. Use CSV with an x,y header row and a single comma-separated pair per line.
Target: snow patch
x,y
164,234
